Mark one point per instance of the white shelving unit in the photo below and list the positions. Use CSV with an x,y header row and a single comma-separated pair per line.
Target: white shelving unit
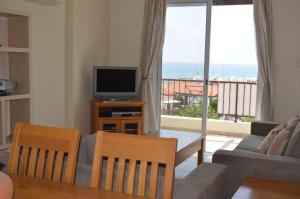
x,y
14,97
15,55
14,50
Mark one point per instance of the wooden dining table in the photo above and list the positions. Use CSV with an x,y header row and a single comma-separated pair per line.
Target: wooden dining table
x,y
33,188
259,188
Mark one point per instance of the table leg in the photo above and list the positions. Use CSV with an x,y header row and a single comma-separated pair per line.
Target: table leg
x,y
201,152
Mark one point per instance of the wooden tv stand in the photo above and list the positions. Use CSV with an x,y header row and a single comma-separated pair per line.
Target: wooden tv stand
x,y
119,117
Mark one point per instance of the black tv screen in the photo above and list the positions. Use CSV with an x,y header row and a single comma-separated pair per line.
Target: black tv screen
x,y
111,82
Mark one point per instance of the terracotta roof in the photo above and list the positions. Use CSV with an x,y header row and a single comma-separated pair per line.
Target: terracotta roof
x,y
190,88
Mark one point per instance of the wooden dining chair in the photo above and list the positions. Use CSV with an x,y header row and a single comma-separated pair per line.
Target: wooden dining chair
x,y
146,151
39,151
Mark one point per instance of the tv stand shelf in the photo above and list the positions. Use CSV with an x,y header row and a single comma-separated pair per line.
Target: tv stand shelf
x,y
118,116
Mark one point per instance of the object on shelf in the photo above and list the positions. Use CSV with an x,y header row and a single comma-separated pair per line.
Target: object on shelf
x,y
6,87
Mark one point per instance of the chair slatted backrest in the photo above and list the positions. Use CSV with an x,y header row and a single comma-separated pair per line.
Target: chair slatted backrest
x,y
146,151
39,151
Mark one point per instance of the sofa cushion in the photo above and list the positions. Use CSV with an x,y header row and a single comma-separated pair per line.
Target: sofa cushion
x,y
279,143
266,143
292,123
250,143
293,148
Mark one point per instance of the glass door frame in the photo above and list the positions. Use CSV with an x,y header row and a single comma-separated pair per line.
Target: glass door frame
x,y
206,52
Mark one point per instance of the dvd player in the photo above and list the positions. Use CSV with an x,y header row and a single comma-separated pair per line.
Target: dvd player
x,y
126,114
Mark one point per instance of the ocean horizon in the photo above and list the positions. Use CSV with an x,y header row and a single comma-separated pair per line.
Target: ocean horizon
x,y
220,71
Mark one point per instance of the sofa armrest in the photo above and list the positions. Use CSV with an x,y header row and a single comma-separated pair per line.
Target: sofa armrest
x,y
262,128
260,165
204,182
243,163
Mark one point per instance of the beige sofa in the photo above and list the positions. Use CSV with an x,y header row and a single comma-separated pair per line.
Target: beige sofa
x,y
245,161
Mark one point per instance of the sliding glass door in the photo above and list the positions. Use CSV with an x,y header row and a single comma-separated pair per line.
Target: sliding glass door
x,y
186,64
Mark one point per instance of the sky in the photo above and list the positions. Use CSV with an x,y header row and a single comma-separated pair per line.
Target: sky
x,y
232,35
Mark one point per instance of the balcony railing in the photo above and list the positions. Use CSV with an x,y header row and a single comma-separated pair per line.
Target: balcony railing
x,y
229,100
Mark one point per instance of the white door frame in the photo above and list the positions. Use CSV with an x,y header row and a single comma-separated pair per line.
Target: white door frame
x,y
207,52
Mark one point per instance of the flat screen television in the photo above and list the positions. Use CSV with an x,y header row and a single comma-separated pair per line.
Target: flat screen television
x,y
118,83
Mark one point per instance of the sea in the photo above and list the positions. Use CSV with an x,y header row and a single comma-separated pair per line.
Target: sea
x,y
216,71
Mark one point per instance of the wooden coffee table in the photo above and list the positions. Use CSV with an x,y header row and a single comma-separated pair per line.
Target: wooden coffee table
x,y
258,188
188,143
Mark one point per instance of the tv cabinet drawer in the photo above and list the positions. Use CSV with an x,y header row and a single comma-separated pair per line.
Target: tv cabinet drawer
x,y
109,125
131,126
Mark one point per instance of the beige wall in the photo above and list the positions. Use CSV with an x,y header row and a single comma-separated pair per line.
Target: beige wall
x,y
48,61
287,58
126,24
63,57
87,45
100,32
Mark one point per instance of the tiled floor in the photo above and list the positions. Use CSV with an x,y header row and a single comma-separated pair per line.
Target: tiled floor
x,y
216,142
213,143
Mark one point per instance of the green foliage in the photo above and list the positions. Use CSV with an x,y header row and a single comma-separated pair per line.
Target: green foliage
x,y
213,106
196,110
247,119
190,111
214,116
213,109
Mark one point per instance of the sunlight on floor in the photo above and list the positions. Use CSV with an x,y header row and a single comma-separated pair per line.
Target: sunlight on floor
x,y
216,142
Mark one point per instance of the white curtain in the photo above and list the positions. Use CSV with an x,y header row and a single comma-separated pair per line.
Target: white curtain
x,y
264,43
152,44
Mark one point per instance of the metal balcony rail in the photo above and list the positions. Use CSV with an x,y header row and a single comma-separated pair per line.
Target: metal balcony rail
x,y
230,100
